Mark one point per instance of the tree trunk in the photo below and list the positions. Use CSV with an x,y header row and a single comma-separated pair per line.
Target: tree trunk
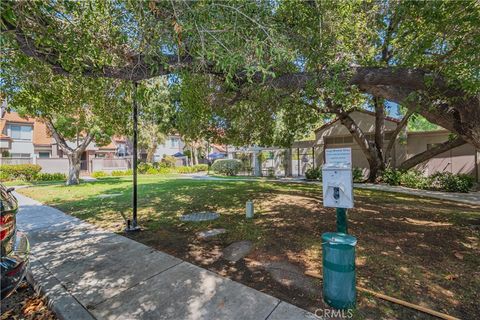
x,y
423,156
369,149
393,138
195,156
73,168
379,134
151,151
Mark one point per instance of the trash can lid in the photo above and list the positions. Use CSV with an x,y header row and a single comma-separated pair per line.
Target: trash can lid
x,y
339,238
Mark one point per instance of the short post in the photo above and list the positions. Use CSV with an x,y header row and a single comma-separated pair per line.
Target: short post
x,y
342,220
249,209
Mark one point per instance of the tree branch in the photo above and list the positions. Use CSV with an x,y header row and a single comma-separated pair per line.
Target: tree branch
x,y
423,156
58,138
396,132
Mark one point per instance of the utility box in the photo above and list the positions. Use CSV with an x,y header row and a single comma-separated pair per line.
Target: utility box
x,y
337,185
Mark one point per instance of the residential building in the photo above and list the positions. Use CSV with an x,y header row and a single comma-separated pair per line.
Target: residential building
x,y
311,153
27,140
173,145
463,159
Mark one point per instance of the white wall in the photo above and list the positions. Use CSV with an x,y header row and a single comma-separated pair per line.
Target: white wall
x,y
19,146
168,149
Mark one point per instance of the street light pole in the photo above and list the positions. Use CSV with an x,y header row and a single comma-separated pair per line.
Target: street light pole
x,y
133,225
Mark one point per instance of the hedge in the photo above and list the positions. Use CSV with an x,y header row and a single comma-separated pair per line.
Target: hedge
x,y
229,167
441,181
26,172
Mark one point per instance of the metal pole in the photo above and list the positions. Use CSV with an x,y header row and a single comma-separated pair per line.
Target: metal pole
x,y
342,220
313,157
298,161
133,226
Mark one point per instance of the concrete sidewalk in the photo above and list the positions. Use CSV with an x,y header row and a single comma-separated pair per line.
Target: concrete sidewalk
x,y
88,273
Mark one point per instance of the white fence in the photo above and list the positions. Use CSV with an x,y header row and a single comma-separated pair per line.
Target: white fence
x,y
60,165
15,160
99,164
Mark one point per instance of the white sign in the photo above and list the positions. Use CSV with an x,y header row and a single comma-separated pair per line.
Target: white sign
x,y
339,155
337,186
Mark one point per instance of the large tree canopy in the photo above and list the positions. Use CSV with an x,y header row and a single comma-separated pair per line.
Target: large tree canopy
x,y
424,55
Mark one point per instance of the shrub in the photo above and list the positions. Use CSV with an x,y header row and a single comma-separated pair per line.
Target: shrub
x,y
313,174
391,176
450,182
200,167
143,167
169,161
152,171
229,167
4,176
99,174
357,175
50,177
414,179
119,173
26,172
185,169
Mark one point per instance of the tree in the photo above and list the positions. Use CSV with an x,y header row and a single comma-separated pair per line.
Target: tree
x,y
313,48
76,110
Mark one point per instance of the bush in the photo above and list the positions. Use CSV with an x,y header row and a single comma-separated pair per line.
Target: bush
x,y
169,161
357,175
185,169
313,174
26,172
391,176
143,167
119,173
50,177
229,167
414,179
450,182
200,167
99,174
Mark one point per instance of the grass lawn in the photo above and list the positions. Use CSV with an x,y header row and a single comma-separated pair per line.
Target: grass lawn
x,y
422,250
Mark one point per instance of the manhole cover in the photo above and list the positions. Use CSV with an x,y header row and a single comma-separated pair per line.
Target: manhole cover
x,y
200,216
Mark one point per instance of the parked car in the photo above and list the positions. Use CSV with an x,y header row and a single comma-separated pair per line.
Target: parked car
x,y
15,248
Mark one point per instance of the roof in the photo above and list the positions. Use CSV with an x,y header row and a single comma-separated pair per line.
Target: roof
x,y
41,135
110,146
219,147
358,110
4,137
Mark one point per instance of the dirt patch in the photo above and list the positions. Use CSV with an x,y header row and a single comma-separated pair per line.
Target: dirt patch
x,y
406,249
25,304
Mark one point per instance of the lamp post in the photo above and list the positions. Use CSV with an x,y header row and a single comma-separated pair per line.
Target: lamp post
x,y
133,224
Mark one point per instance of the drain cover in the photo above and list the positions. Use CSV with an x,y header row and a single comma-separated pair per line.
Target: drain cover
x,y
200,216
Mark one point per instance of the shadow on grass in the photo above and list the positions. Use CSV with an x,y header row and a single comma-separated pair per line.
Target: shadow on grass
x,y
408,246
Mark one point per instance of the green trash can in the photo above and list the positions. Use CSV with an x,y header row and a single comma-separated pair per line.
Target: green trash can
x,y
338,250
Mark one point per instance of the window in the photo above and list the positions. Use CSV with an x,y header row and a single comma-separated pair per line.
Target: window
x,y
339,140
20,155
18,132
174,142
44,154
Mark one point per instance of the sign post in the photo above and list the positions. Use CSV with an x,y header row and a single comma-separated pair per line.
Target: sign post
x,y
338,248
338,184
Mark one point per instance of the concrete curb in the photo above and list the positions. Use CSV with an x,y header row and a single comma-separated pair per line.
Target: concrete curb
x,y
62,303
